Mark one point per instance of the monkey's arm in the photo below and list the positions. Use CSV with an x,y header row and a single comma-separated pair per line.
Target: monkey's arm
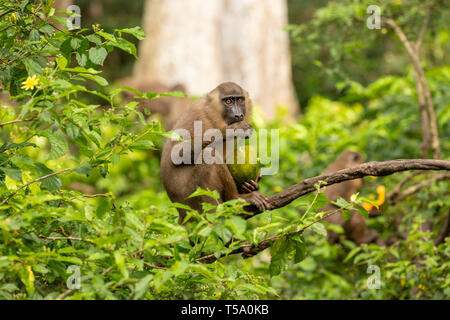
x,y
238,129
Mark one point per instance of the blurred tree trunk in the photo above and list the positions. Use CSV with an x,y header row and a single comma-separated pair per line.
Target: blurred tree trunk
x,y
62,4
203,43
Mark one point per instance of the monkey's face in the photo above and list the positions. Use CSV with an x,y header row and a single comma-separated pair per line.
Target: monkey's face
x,y
233,108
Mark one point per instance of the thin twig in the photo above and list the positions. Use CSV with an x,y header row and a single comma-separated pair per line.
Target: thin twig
x,y
31,182
250,250
64,294
413,189
18,120
423,30
421,84
66,238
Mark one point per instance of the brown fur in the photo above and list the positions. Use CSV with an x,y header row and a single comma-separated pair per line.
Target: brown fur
x,y
355,228
182,180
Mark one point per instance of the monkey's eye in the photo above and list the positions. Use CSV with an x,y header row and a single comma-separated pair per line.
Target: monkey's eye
x,y
240,100
228,101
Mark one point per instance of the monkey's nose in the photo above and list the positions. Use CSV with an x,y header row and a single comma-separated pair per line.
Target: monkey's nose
x,y
239,117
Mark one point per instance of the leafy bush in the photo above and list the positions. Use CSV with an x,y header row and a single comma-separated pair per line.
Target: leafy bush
x,y
80,193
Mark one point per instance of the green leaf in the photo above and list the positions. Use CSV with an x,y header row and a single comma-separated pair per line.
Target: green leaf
x,y
177,94
279,256
82,70
200,192
58,144
13,173
300,252
352,253
32,66
89,212
125,46
346,215
75,43
321,201
94,38
142,286
81,59
23,162
319,229
103,207
84,170
13,145
362,211
100,80
143,145
61,62
97,55
342,203
223,232
120,262
27,277
137,32
34,35
237,225
51,183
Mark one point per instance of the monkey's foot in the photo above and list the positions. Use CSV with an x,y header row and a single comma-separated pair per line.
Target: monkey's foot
x,y
257,199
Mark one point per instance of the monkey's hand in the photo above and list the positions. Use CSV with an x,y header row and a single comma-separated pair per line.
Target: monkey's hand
x,y
257,199
251,186
239,129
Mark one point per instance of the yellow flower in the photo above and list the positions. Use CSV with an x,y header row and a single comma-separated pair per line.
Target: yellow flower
x,y
367,206
420,286
381,190
277,189
14,16
218,295
30,83
402,282
384,31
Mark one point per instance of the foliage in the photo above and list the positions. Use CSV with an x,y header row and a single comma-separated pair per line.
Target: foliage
x,y
79,186
331,43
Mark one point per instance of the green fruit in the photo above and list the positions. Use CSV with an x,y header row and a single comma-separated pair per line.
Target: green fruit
x,y
246,171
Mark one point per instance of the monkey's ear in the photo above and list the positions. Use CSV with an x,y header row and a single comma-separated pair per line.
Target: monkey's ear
x,y
356,157
179,87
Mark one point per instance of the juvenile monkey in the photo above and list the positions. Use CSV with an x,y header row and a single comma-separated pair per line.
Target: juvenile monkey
x,y
355,228
226,107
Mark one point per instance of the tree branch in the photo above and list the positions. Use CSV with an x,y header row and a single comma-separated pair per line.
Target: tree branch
x,y
413,189
35,180
373,168
18,120
423,91
283,198
250,250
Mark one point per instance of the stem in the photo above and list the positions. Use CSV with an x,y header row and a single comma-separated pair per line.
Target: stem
x,y
35,180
